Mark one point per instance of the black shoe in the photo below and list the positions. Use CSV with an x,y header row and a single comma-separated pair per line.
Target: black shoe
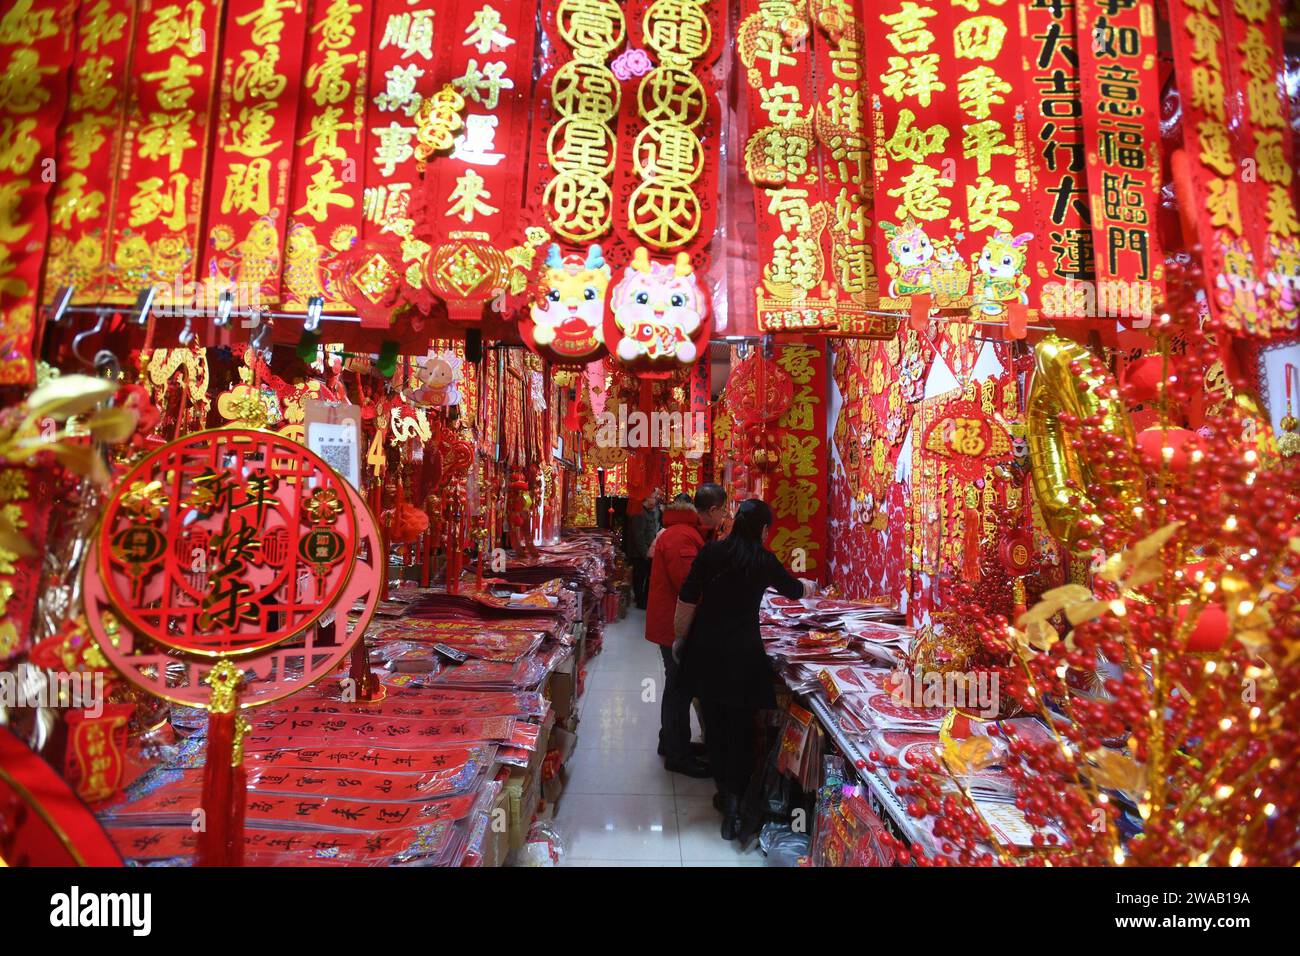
x,y
690,767
731,822
696,750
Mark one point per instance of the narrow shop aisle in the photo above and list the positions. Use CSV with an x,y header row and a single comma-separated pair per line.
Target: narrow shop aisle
x,y
621,807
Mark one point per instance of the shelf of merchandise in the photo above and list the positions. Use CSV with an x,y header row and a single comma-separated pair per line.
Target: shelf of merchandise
x,y
882,797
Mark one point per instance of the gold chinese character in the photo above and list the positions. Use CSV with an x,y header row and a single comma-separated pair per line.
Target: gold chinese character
x,y
982,142
248,188
336,28
172,27
669,95
22,85
22,24
93,89
1281,212
19,145
74,202
580,205
979,90
985,203
484,85
913,143
593,28
329,78
412,33
979,38
919,194
917,77
250,131
1216,148
1270,153
174,90
168,135
469,198
322,193
159,200
664,214
907,28
99,28
1223,205
394,146
486,32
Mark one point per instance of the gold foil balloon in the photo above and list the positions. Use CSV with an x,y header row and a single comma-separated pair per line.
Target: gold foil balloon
x,y
1064,477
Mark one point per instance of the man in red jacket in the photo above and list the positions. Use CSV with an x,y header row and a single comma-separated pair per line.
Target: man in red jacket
x,y
685,529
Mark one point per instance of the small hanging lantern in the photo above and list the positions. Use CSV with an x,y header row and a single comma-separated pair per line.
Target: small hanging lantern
x,y
467,272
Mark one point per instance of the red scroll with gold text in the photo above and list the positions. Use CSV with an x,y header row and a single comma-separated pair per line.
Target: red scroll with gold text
x,y
488,62
581,146
35,52
1121,127
325,207
844,164
1054,114
162,182
1253,70
952,172
797,487
252,164
90,144
666,187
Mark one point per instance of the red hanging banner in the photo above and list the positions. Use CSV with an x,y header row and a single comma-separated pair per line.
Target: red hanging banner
x,y
1054,114
162,181
251,169
1253,71
1116,41
665,190
35,53
325,209
798,485
951,158
90,145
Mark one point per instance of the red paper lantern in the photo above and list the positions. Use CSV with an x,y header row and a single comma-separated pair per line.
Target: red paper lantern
x,y
1145,377
1172,446
467,272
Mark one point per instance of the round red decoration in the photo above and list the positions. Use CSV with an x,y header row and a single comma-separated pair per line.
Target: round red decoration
x,y
757,395
227,542
1017,553
271,674
969,438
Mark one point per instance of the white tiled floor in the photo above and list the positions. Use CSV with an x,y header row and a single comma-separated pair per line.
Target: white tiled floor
x,y
621,807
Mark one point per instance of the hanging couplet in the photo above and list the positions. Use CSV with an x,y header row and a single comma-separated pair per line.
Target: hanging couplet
x,y
489,63
1253,44
667,187
1237,296
843,155
1054,112
1116,42
658,316
325,207
89,150
227,542
585,97
162,186
407,55
798,485
774,43
951,156
35,53
251,166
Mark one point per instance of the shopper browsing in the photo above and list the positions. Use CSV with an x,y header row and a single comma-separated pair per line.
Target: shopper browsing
x,y
686,526
721,653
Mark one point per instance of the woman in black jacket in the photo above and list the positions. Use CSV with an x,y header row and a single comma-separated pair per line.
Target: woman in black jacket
x,y
718,643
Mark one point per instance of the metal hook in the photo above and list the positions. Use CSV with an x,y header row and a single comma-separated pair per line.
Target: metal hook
x,y
259,342
107,365
186,335
82,336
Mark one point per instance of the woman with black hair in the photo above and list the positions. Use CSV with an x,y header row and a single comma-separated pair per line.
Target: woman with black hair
x,y
720,649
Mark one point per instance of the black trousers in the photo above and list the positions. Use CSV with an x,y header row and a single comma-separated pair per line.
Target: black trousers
x,y
674,711
640,581
730,742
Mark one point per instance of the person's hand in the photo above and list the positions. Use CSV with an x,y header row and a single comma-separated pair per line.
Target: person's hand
x,y
678,646
809,587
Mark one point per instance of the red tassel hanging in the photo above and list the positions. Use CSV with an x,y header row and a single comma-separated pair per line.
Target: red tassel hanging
x,y
919,315
1017,321
222,822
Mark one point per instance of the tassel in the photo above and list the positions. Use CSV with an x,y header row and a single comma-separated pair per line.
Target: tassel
x,y
1017,322
970,567
919,317
218,792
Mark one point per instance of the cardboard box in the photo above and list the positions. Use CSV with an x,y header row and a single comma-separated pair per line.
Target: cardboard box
x,y
563,740
562,689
